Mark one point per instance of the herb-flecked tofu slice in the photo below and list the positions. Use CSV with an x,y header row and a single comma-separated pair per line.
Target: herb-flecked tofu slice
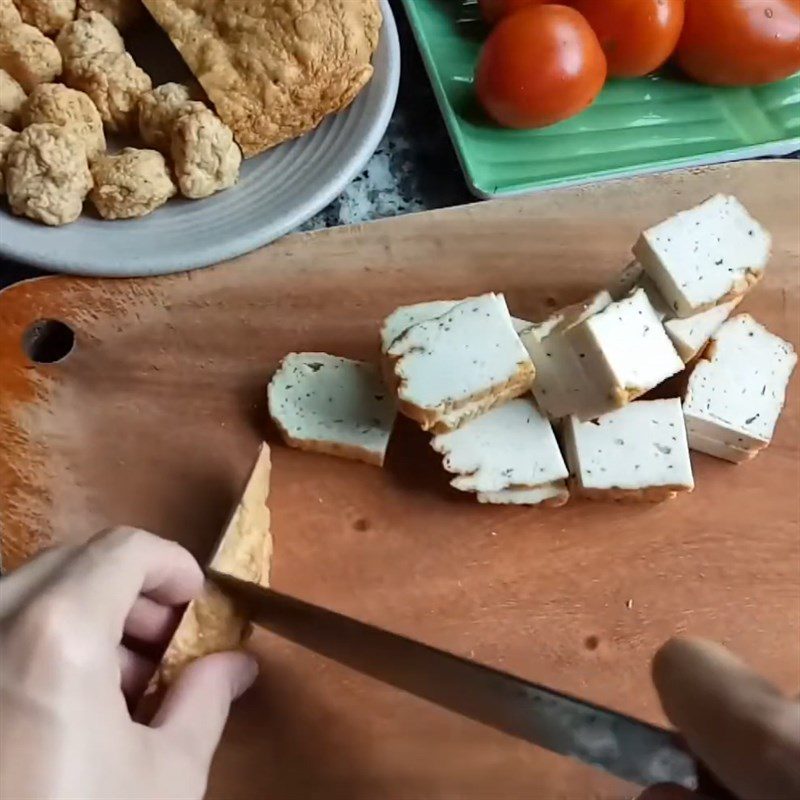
x,y
737,390
639,452
705,255
332,405
460,364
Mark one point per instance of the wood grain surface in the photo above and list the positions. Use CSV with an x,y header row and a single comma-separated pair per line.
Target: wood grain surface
x,y
155,416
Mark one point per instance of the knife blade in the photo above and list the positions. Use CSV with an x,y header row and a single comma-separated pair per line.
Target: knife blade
x,y
621,745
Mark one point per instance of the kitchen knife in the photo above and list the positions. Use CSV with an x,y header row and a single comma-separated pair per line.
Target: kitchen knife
x,y
626,747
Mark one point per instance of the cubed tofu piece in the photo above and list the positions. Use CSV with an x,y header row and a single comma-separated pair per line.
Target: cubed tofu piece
x,y
624,348
706,255
332,405
737,389
460,364
634,277
552,495
691,334
511,446
562,386
639,452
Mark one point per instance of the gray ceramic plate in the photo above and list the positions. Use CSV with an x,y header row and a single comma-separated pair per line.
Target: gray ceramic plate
x,y
278,190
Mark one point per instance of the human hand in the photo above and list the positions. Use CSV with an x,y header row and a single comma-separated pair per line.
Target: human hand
x,y
737,724
76,624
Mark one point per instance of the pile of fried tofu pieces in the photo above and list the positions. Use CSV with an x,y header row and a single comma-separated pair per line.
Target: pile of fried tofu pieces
x,y
527,413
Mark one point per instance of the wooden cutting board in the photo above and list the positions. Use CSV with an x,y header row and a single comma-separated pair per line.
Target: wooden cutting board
x,y
155,415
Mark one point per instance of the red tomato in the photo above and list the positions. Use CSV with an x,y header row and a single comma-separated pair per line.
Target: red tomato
x,y
637,36
540,65
493,10
740,42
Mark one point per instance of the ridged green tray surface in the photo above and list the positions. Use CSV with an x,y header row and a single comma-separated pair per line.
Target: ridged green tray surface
x,y
647,124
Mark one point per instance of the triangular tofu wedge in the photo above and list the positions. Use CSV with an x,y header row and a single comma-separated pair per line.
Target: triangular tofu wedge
x,y
211,622
691,334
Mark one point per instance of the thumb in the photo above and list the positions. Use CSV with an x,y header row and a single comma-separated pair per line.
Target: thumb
x,y
194,711
734,721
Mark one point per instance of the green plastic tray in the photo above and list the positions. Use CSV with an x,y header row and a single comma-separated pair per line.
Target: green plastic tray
x,y
636,126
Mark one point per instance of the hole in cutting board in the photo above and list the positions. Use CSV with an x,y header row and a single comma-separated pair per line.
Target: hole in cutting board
x,y
48,341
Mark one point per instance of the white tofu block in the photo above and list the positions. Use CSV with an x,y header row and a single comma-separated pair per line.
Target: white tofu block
x,y
550,494
634,277
704,256
717,449
508,447
636,452
624,348
460,364
737,390
561,386
332,405
401,319
691,334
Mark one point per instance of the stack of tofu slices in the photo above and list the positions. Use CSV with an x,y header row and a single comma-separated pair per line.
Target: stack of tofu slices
x,y
525,413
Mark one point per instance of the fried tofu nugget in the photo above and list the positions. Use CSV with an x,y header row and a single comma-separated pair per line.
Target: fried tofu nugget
x,y
49,16
12,96
131,183
86,36
56,103
47,174
160,108
123,13
114,82
9,15
204,154
28,56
